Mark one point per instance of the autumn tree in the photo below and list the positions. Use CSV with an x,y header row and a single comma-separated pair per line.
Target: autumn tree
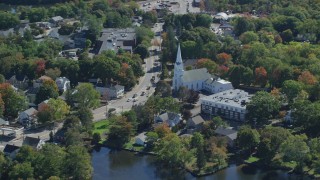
x,y
207,63
40,67
261,76
307,78
1,106
162,130
223,58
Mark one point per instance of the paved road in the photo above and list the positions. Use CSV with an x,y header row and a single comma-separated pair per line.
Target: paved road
x,y
152,68
175,6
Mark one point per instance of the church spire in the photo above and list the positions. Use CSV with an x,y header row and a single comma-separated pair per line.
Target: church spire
x,y
179,58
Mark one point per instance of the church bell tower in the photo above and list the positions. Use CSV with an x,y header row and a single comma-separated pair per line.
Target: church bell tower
x,y
178,71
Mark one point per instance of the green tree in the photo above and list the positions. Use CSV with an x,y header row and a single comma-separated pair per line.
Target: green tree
x,y
71,121
51,161
13,101
73,137
8,20
2,79
23,171
291,89
120,132
48,89
295,149
78,163
183,93
131,117
270,140
58,108
142,50
96,138
86,96
172,151
85,115
163,89
262,107
247,138
248,37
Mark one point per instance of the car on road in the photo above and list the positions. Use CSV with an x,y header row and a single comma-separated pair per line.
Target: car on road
x,y
135,100
143,93
135,95
129,100
148,88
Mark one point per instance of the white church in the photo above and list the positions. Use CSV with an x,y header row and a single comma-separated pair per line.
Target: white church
x,y
197,79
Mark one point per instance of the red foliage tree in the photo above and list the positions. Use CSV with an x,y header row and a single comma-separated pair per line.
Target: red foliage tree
x,y
261,76
223,58
40,67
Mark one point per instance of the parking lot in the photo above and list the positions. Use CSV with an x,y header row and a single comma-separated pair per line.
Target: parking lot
x,y
174,6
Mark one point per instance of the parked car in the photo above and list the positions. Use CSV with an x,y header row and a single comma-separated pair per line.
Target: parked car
x,y
135,95
143,93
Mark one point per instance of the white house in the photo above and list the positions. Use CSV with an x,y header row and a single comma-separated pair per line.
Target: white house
x,y
230,104
172,119
141,139
63,84
197,79
35,143
28,116
112,92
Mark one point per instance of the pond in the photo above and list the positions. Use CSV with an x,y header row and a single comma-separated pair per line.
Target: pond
x,y
122,165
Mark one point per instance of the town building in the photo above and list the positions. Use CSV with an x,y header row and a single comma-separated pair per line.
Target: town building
x,y
56,20
28,117
228,133
114,39
197,79
63,84
19,81
170,118
35,143
195,124
230,104
11,150
111,92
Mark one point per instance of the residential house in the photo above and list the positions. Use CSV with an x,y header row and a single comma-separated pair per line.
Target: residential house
x,y
56,20
3,122
11,150
28,117
19,81
31,96
230,104
35,143
230,134
215,85
112,92
195,124
114,39
141,139
6,33
63,84
170,118
37,83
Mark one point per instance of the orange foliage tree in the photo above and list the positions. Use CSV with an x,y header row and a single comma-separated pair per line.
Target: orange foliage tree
x,y
207,63
223,58
261,76
307,78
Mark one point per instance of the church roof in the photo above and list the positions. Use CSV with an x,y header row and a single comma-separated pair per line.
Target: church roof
x,y
179,58
196,75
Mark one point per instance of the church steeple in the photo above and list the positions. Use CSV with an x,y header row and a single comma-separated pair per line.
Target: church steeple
x,y
179,58
178,71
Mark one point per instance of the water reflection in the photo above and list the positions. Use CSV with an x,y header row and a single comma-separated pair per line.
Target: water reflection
x,y
123,165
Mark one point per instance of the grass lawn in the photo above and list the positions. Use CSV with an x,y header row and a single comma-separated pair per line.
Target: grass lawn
x,y
252,159
101,126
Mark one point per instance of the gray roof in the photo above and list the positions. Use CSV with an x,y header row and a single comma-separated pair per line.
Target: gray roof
x,y
232,134
3,122
30,111
31,141
196,75
112,38
167,116
57,18
231,97
197,120
10,148
117,87
5,33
